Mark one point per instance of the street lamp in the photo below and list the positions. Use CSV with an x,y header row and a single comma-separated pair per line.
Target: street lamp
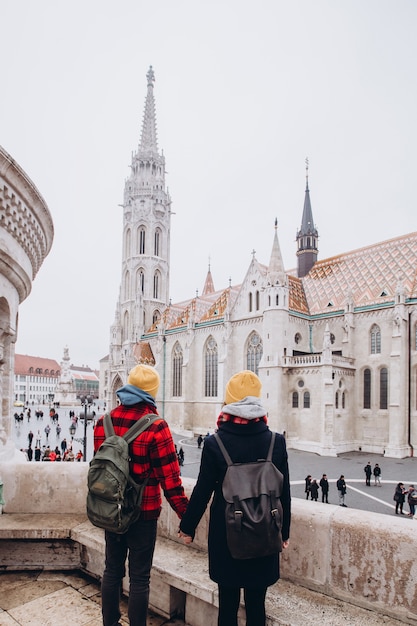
x,y
86,402
72,430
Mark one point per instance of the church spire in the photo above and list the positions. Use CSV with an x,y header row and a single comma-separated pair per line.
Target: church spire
x,y
276,272
307,236
149,142
208,285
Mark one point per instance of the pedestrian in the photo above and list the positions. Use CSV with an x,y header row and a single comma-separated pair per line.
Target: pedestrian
x,y
47,431
199,441
58,430
377,475
242,427
152,456
399,498
412,500
307,487
63,446
181,456
30,437
37,453
341,488
29,453
324,484
314,490
79,456
368,473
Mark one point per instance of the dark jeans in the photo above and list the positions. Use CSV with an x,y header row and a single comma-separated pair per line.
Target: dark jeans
x,y
138,544
229,599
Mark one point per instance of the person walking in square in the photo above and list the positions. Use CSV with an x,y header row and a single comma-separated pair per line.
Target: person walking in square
x,y
341,488
399,498
412,500
368,473
307,487
314,490
377,475
324,484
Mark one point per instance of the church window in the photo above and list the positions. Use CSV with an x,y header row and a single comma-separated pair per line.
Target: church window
x,y
127,286
211,368
142,233
332,338
277,300
269,300
177,360
250,302
157,242
300,383
125,330
297,338
343,400
295,400
254,353
257,300
127,243
367,389
156,285
141,281
306,399
383,388
336,400
375,339
156,317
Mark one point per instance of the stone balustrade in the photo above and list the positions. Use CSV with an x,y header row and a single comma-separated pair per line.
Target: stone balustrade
x,y
365,559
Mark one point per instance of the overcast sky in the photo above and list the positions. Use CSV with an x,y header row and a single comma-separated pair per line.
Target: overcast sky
x,y
245,91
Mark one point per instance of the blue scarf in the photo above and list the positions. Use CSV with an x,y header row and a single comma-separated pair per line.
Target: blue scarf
x,y
129,395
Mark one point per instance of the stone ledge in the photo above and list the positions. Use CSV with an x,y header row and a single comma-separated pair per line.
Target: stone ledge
x,y
38,526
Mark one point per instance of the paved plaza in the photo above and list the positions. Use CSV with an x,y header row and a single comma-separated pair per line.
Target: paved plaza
x,y
351,465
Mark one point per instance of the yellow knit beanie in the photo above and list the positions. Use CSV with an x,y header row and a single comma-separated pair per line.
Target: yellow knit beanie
x,y
144,377
241,385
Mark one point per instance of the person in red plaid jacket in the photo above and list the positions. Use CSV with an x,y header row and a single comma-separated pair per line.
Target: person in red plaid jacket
x,y
153,456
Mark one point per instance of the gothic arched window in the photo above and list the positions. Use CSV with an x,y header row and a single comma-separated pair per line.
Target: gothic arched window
x,y
127,243
250,302
295,399
141,241
257,300
367,388
125,326
156,316
210,368
383,388
375,339
177,360
157,241
156,285
140,281
306,399
254,352
127,286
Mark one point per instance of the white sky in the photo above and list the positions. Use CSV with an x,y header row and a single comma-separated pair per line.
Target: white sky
x,y
245,91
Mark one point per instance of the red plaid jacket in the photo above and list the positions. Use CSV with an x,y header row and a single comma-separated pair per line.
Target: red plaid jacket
x,y
153,454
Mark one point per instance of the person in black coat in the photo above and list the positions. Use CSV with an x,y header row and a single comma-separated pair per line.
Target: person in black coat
x,y
242,427
324,484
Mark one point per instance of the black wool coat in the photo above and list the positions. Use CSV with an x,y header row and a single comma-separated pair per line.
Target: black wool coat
x,y
245,443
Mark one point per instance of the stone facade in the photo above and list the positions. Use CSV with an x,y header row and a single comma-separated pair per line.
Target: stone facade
x,y
333,342
26,235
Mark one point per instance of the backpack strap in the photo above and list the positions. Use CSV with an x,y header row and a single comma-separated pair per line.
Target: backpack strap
x,y
223,449
138,427
271,447
108,425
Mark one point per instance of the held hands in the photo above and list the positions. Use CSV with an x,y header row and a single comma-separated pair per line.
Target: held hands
x,y
285,544
186,538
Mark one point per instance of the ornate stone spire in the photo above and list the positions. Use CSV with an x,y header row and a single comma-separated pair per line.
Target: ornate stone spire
x,y
307,236
276,272
148,141
208,285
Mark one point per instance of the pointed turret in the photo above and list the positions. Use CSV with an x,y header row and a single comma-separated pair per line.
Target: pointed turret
x,y
148,141
276,273
307,236
208,285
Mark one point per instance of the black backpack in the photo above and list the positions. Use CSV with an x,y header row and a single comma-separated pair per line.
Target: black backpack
x,y
253,508
113,497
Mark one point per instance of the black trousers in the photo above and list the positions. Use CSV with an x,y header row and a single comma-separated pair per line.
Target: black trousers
x,y
229,600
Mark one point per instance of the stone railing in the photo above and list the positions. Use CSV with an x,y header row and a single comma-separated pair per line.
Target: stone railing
x,y
366,559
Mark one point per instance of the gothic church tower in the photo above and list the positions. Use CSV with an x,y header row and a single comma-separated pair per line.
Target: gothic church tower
x,y
307,237
144,289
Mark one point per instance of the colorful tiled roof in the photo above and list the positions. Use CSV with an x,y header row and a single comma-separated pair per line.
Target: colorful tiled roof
x,y
369,275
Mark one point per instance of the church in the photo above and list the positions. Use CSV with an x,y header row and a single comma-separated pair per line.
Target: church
x,y
334,341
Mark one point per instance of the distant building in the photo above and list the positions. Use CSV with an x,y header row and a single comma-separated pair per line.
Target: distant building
x,y
35,379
